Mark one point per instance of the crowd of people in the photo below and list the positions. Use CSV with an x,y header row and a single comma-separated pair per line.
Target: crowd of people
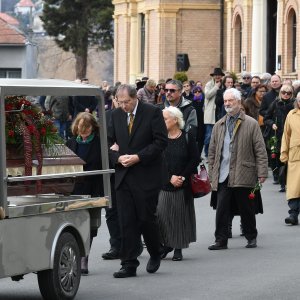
x,y
158,132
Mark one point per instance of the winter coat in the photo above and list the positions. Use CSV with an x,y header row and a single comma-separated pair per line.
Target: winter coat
x,y
58,107
145,96
248,155
268,98
252,107
209,102
189,114
290,153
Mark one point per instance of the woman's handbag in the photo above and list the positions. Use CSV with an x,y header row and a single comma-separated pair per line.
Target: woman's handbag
x,y
200,183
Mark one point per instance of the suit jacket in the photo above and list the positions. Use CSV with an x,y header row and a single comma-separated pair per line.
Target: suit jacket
x,y
148,139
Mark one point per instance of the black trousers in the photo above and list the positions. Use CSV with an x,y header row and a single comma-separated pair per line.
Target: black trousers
x,y
112,222
246,208
136,212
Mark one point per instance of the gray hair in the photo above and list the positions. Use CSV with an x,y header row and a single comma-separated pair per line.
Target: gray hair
x,y
296,103
151,83
176,114
235,93
178,83
246,74
130,88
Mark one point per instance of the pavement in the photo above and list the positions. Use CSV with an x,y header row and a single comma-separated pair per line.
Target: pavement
x,y
270,271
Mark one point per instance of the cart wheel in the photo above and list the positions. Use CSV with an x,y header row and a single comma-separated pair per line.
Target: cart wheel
x,y
62,282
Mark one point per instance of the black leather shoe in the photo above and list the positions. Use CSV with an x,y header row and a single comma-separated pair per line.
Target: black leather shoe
x,y
165,252
84,265
125,272
218,246
153,264
177,255
282,189
111,254
251,244
291,220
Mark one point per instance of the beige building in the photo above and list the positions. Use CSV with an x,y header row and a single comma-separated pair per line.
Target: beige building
x,y
238,35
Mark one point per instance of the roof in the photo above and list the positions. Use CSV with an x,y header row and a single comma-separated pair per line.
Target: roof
x,y
9,19
54,87
10,35
25,3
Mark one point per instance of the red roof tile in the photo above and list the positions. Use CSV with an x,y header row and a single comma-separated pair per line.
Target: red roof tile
x,y
25,3
9,19
9,35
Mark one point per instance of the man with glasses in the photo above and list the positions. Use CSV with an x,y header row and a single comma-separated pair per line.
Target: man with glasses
x,y
137,136
173,91
246,84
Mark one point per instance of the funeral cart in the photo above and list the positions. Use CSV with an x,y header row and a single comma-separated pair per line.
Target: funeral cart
x,y
44,228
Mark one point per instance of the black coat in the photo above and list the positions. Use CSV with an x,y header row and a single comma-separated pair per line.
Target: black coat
x,y
80,103
89,185
268,98
148,139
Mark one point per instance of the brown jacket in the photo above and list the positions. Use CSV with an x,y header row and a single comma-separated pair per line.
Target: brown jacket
x,y
248,156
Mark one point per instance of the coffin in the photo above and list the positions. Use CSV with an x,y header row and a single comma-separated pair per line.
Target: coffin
x,y
61,160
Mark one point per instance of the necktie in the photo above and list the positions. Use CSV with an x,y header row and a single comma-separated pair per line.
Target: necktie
x,y
130,124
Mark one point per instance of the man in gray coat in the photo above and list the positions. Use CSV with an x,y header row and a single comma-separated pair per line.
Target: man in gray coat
x,y
237,159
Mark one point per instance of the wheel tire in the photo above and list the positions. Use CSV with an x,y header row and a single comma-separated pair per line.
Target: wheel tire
x,y
62,282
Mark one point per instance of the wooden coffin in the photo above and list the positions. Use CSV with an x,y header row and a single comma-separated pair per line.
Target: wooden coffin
x,y
62,161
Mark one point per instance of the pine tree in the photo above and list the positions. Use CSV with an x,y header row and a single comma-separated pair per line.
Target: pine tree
x,y
78,24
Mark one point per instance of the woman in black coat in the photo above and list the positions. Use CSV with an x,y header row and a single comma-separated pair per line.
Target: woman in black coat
x,y
85,143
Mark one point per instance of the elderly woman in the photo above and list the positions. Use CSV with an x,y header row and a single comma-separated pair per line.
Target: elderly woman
x,y
274,120
86,144
290,155
175,210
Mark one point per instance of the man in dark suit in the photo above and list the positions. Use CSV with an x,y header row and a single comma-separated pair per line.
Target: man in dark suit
x,y
137,135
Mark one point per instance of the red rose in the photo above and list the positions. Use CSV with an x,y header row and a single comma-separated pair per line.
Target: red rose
x,y
273,155
9,107
11,133
43,131
251,196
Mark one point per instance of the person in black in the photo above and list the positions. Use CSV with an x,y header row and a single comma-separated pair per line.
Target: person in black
x,y
175,210
86,144
274,120
137,137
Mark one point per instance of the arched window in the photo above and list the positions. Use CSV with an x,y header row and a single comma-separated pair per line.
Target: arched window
x,y
291,44
237,44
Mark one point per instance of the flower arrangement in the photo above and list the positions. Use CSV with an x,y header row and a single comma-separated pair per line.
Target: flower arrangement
x,y
28,129
256,188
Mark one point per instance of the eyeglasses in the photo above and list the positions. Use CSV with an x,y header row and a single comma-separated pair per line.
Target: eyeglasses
x,y
170,91
126,102
286,93
197,92
246,77
186,85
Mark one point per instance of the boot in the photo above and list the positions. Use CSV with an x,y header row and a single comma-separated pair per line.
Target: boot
x,y
177,255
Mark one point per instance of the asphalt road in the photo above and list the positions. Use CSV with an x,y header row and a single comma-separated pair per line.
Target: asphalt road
x,y
271,271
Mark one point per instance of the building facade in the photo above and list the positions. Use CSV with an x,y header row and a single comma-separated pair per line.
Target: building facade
x,y
238,35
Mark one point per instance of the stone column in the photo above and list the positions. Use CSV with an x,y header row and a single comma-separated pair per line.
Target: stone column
x,y
259,28
133,49
229,40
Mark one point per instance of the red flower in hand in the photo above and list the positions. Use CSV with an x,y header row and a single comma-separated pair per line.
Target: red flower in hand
x,y
273,155
257,187
251,196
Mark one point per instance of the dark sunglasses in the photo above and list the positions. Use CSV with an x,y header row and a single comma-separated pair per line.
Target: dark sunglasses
x,y
170,90
286,93
246,77
197,92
